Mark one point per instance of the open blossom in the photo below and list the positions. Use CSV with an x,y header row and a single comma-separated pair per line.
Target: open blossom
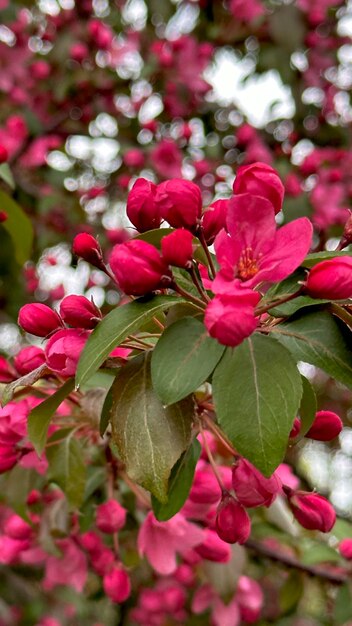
x,y
70,568
161,541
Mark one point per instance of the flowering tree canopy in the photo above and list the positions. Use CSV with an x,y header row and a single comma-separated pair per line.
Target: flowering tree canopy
x,y
176,282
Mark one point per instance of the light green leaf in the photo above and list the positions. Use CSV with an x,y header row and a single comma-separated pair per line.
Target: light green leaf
x,y
19,227
114,328
318,338
40,417
183,359
180,484
149,437
291,592
66,466
257,390
6,175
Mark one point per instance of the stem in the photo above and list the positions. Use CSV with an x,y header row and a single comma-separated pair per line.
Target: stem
x,y
198,285
218,433
207,253
211,461
135,489
275,303
139,341
341,313
196,301
335,578
158,323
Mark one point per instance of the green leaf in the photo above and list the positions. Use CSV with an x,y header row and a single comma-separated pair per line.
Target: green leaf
x,y
308,407
149,437
317,257
19,227
105,413
289,308
285,288
183,359
343,605
314,553
17,484
6,175
114,328
291,592
318,338
66,466
257,390
180,484
39,418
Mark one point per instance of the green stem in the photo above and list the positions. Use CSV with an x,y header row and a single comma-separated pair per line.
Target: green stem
x,y
207,253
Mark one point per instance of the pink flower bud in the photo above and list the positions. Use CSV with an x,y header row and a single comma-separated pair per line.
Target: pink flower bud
x,y
110,517
87,247
326,426
138,267
79,312
177,248
260,179
214,219
213,548
331,279
7,373
233,524
141,208
16,528
117,584
180,203
28,359
134,158
251,487
8,457
4,155
311,510
345,548
250,599
64,349
38,319
296,428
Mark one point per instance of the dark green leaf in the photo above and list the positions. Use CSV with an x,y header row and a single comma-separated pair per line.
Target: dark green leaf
x,y
149,437
155,236
19,227
183,359
67,467
17,485
257,390
343,605
39,417
289,308
317,257
114,328
180,484
319,339
105,413
308,407
291,592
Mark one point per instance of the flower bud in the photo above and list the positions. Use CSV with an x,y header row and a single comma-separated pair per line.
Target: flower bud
x,y
28,359
79,312
138,267
180,203
177,248
117,584
311,510
141,208
38,319
214,219
4,155
345,548
64,349
331,279
296,428
251,487
213,548
3,216
347,232
110,517
233,524
7,373
8,457
326,426
16,528
260,179
87,247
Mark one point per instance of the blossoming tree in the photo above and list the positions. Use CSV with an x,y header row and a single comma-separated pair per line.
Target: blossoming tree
x,y
184,300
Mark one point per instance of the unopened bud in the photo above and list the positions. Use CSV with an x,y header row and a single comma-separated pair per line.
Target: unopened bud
x,y
233,524
251,487
260,179
331,279
138,267
180,203
311,510
141,208
79,312
110,517
28,359
88,248
177,248
326,426
117,584
345,549
38,319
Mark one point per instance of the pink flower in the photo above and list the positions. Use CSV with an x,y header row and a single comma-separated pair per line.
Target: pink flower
x,y
28,359
260,179
311,510
286,475
141,208
138,267
110,516
166,157
117,585
251,487
345,548
63,350
233,524
179,202
177,248
246,10
69,569
214,219
88,248
160,541
213,548
7,373
134,158
230,319
331,279
326,426
79,312
16,528
38,319
250,598
254,251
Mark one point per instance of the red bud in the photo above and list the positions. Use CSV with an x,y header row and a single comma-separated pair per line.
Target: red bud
x,y
326,426
177,248
311,510
180,203
233,524
79,312
38,319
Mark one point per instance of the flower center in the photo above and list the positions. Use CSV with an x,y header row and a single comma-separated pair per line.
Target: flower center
x,y
247,266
